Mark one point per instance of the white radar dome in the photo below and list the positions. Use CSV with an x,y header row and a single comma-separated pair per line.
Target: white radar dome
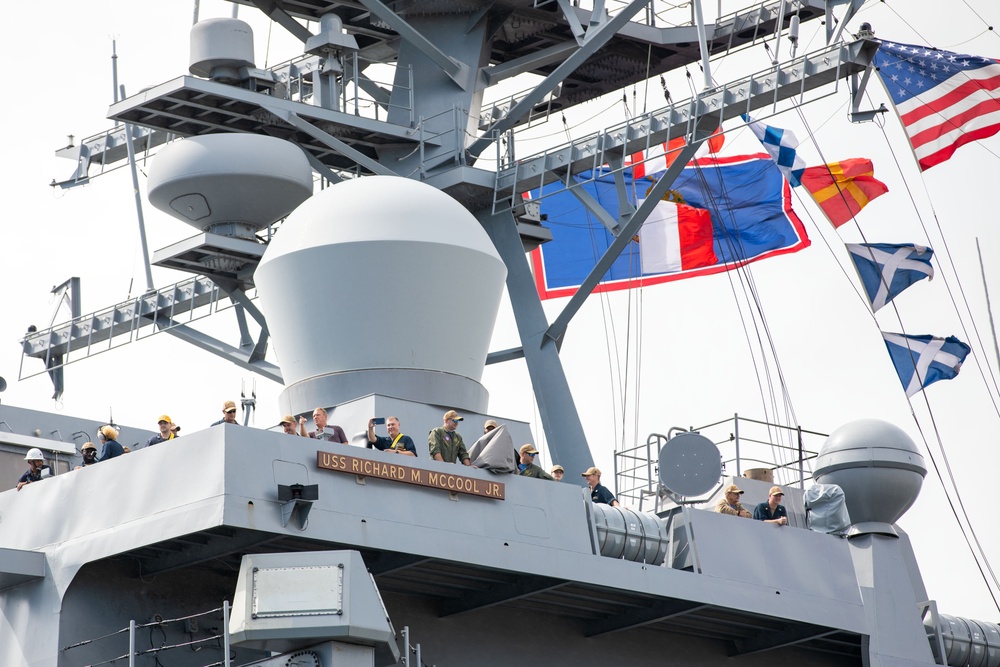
x,y
878,467
246,181
381,285
220,47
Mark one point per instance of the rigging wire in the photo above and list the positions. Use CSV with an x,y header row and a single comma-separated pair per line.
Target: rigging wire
x,y
610,332
635,269
947,253
745,272
758,319
649,64
977,552
989,26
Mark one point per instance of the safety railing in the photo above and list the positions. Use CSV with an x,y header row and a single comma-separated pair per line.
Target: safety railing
x,y
783,453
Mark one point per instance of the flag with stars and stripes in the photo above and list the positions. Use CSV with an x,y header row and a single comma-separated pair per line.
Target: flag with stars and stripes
x,y
781,145
923,360
886,269
944,100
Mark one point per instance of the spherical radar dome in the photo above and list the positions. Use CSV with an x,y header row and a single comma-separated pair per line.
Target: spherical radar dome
x,y
878,467
381,284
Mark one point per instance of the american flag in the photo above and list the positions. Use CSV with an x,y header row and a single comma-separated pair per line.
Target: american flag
x,y
944,99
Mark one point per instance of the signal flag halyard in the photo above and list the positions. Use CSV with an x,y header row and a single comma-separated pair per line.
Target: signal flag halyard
x,y
944,100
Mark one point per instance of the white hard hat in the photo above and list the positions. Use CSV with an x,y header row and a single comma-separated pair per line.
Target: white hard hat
x,y
34,454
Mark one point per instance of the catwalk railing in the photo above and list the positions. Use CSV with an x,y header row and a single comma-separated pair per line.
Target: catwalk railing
x,y
770,451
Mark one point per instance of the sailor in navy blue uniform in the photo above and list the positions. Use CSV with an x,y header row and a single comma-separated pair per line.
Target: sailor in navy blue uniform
x,y
108,435
395,443
37,470
598,492
770,511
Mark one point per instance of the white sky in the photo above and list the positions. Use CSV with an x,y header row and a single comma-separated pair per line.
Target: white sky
x,y
695,360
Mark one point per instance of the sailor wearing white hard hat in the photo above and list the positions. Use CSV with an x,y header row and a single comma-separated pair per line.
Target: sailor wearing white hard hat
x,y
37,470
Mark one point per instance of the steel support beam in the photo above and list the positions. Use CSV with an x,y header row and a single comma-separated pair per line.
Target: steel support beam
x,y
624,237
216,547
786,636
659,610
501,356
594,208
218,348
524,587
389,562
564,432
328,139
283,18
511,68
458,72
594,41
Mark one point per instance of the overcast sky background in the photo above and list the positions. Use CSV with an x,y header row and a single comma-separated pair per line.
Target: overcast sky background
x,y
696,362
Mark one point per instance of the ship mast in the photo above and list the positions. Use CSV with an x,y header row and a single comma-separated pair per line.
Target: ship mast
x,y
429,122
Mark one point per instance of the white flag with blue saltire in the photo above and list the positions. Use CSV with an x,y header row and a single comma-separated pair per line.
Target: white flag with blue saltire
x,y
923,360
781,145
886,269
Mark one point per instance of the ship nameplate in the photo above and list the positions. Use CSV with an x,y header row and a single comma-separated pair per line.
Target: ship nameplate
x,y
297,591
407,475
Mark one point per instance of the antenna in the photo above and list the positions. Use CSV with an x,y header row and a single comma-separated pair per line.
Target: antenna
x,y
249,404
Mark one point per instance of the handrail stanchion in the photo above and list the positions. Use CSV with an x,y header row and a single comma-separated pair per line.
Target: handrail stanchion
x,y
131,643
225,631
802,478
736,437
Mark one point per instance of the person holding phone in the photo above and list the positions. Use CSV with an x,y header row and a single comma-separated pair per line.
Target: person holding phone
x,y
395,443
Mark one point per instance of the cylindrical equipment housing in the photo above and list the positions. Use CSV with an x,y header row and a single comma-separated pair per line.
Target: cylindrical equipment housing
x,y
967,643
220,47
631,535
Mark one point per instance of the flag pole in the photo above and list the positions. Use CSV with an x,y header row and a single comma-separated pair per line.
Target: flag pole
x,y
989,309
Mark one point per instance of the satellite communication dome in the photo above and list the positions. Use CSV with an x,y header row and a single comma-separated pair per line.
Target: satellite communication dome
x,y
220,47
878,467
244,182
381,285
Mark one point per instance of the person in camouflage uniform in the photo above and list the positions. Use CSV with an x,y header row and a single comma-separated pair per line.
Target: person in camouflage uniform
x,y
445,443
528,467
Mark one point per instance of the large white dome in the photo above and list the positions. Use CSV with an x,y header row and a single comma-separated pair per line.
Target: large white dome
x,y
214,179
381,285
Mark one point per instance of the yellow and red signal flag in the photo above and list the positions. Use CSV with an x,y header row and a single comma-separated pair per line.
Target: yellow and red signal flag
x,y
843,188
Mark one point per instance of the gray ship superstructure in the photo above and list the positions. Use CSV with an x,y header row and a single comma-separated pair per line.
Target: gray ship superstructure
x,y
234,545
